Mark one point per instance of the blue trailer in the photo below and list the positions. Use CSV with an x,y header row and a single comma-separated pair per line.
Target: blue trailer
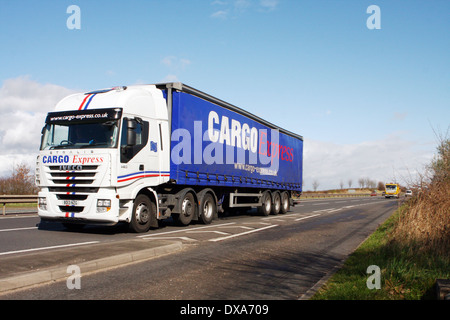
x,y
240,159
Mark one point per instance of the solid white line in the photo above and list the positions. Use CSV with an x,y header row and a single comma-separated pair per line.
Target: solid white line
x,y
51,247
181,230
314,215
242,227
202,231
17,229
166,238
243,233
324,210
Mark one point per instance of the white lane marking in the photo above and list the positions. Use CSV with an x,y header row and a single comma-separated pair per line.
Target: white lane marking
x,y
242,227
18,229
166,238
182,230
243,233
204,231
51,247
314,215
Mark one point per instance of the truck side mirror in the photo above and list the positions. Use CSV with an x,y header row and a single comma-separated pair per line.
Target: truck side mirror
x,y
131,132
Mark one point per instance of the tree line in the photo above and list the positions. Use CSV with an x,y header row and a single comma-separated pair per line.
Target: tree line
x,y
363,183
20,182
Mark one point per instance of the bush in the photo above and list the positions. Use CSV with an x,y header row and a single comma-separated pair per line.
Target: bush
x,y
422,223
20,182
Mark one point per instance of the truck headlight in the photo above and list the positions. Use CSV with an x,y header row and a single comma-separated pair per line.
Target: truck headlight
x,y
42,203
103,205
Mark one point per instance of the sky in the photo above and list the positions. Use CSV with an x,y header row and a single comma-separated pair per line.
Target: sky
x,y
367,89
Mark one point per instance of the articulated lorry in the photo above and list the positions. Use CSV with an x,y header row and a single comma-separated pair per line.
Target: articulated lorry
x,y
143,153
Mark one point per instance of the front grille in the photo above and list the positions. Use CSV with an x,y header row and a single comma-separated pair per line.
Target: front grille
x,y
71,208
73,185
77,197
73,174
72,181
69,190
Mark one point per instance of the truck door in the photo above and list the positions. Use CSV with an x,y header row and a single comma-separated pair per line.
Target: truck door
x,y
138,158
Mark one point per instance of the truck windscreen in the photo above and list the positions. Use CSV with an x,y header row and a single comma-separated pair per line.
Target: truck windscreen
x,y
81,129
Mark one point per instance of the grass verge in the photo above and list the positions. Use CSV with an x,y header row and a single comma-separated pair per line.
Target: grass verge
x,y
406,274
410,250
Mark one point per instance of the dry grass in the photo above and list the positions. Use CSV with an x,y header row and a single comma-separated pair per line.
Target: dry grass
x,y
411,248
423,223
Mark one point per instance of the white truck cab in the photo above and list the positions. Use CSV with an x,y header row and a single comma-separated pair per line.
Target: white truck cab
x,y
100,149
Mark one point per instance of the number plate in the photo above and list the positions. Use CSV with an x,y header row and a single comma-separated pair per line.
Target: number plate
x,y
70,202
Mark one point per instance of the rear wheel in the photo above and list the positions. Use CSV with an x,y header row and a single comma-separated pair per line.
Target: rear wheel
x,y
285,205
208,209
276,207
187,210
143,211
266,204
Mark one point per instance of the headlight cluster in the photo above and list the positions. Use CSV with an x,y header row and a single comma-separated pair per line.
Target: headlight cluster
x,y
42,203
103,205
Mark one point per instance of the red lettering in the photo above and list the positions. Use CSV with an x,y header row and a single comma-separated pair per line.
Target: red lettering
x,y
86,160
261,142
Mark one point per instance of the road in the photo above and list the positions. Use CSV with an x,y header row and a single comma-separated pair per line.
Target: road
x,y
242,256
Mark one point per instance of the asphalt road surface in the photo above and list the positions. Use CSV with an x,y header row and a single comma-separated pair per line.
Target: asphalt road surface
x,y
237,257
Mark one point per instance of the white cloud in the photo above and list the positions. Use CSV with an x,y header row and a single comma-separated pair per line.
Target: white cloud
x,y
176,63
23,107
170,78
391,158
221,14
232,9
176,66
269,4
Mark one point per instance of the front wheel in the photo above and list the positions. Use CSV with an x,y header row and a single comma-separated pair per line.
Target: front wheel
x,y
143,212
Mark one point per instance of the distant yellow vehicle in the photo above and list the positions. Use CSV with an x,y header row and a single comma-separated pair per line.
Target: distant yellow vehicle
x,y
392,190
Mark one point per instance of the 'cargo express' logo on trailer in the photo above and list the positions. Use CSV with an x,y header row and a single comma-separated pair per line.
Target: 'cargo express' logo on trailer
x,y
226,135
242,136
75,159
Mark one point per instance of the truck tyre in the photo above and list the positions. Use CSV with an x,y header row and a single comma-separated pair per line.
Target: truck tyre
x,y
144,210
285,205
266,204
187,210
276,205
208,209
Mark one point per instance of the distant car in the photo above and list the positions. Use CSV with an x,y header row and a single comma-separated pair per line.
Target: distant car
x,y
373,194
408,193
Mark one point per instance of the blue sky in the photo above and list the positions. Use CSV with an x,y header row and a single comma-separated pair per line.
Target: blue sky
x,y
312,67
